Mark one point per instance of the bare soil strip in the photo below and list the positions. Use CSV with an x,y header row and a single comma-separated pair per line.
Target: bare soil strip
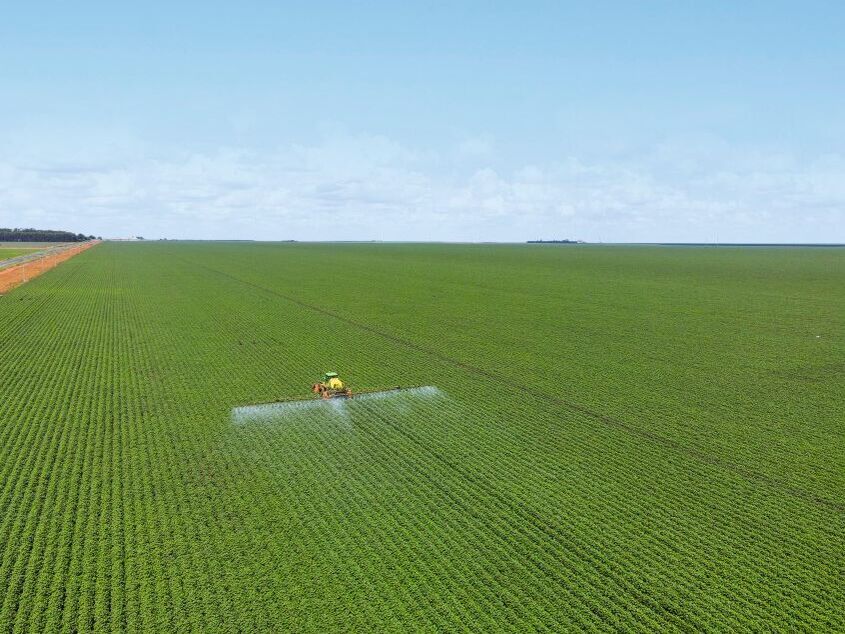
x,y
14,276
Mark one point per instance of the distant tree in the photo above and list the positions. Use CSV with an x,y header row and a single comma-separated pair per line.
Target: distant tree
x,y
41,235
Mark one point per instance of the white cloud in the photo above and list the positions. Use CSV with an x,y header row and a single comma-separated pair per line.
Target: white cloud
x,y
370,187
476,147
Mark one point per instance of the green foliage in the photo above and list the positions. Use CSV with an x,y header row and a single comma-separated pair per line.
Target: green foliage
x,y
6,254
41,235
626,438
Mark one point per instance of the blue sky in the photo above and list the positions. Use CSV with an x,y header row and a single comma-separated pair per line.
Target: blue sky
x,y
607,121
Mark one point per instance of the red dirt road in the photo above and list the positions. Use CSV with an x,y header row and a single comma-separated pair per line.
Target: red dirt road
x,y
16,275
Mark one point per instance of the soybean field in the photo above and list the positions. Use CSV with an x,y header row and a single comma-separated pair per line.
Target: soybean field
x,y
10,253
609,438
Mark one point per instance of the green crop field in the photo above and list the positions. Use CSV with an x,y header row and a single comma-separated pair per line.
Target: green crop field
x,y
616,438
6,253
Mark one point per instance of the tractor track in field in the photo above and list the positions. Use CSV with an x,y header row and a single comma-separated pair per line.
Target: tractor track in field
x,y
609,421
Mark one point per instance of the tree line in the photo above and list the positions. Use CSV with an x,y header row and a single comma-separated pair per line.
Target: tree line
x,y
42,235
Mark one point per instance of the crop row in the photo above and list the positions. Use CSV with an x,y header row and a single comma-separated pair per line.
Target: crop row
x,y
814,591
131,501
731,369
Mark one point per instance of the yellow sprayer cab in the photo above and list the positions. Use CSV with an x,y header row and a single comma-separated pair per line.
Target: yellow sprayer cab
x,y
331,387
332,381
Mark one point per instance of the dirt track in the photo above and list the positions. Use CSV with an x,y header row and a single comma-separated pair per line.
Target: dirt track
x,y
16,275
